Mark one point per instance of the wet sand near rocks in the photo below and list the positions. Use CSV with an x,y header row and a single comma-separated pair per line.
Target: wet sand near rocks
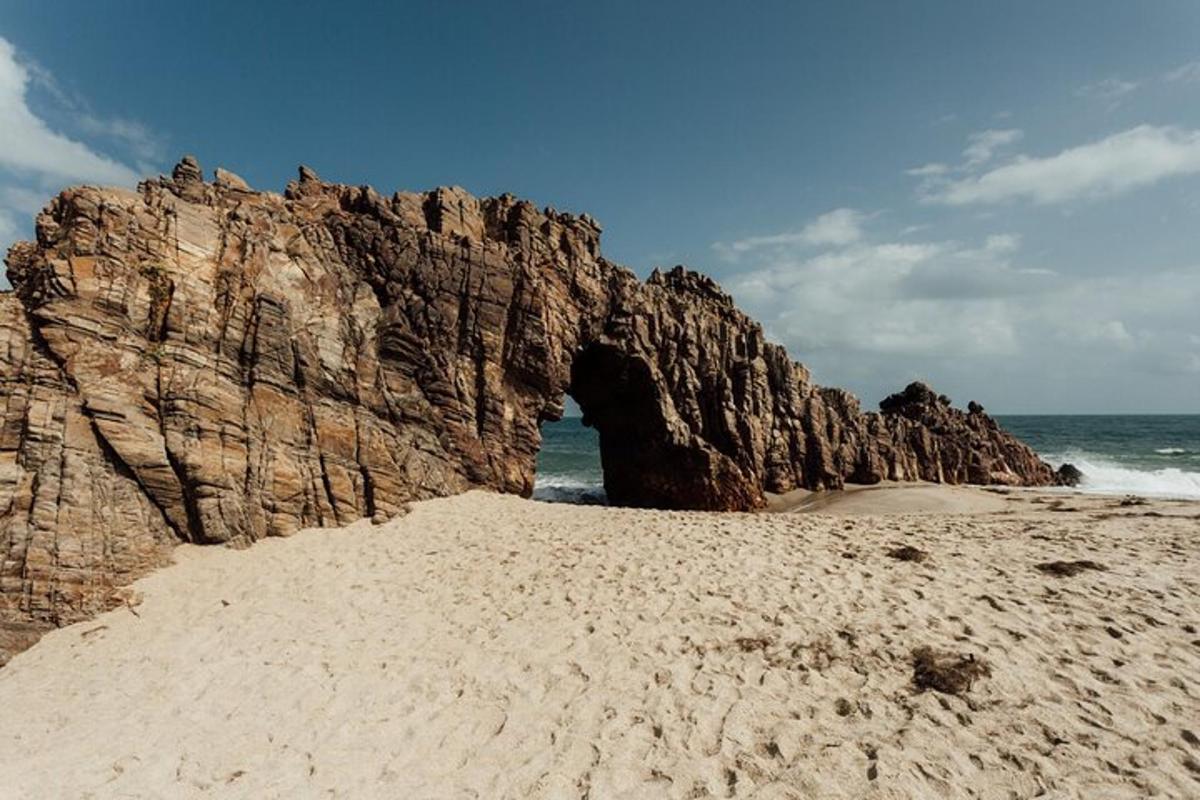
x,y
996,645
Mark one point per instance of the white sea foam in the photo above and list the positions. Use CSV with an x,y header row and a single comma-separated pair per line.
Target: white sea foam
x,y
1170,451
1102,476
568,489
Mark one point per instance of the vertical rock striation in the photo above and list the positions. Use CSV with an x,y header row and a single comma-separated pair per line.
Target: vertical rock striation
x,y
201,362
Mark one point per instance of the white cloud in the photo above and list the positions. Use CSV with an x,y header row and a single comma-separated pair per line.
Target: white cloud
x,y
1002,243
981,146
142,143
36,160
888,297
928,170
971,317
1112,91
1187,73
29,146
1109,332
1119,163
1136,313
838,227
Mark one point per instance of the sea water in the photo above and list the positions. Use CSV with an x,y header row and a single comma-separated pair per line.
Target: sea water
x,y
1152,455
568,466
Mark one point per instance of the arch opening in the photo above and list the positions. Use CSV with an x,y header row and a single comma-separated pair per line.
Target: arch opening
x,y
648,456
568,462
595,453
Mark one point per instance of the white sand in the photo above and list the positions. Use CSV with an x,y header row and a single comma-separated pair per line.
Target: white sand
x,y
490,647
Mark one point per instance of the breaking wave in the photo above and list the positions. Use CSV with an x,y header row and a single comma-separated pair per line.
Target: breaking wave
x,y
568,489
1103,476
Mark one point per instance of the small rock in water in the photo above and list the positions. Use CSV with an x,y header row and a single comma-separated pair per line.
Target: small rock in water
x,y
1069,475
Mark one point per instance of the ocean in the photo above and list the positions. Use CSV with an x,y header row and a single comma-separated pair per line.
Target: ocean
x,y
1151,455
568,468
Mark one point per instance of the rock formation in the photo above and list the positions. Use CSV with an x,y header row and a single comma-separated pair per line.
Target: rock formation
x,y
201,362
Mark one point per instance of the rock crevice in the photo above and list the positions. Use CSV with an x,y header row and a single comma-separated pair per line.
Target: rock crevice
x,y
197,361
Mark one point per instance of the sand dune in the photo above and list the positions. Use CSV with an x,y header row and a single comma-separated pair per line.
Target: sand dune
x,y
491,647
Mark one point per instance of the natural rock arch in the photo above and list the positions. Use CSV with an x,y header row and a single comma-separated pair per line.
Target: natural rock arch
x,y
644,464
198,361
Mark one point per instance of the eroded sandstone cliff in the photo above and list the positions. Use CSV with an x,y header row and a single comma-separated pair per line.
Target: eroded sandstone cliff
x,y
197,361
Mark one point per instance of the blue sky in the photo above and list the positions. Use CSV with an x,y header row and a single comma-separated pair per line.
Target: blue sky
x,y
1000,198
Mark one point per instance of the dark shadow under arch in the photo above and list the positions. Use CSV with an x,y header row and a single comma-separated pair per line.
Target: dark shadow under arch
x,y
649,461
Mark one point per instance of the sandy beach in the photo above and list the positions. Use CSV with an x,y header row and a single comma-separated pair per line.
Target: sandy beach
x,y
486,646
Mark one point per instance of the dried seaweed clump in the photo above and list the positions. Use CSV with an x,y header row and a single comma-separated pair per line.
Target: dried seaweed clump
x,y
908,553
948,673
1067,569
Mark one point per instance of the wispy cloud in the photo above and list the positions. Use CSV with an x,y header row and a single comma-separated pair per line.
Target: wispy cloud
x,y
982,145
1186,73
1116,164
928,170
1111,91
142,143
29,146
841,226
36,160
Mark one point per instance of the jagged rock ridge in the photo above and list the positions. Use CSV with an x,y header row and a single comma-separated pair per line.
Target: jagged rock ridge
x,y
201,362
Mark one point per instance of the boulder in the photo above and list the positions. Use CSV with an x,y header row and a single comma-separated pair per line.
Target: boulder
x,y
1068,475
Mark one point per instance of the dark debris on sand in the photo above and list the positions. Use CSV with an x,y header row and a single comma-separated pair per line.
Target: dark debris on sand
x,y
1067,569
908,553
948,673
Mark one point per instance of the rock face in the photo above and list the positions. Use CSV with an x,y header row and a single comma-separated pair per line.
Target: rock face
x,y
201,362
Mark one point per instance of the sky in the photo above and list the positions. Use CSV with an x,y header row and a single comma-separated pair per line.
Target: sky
x,y
1002,199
